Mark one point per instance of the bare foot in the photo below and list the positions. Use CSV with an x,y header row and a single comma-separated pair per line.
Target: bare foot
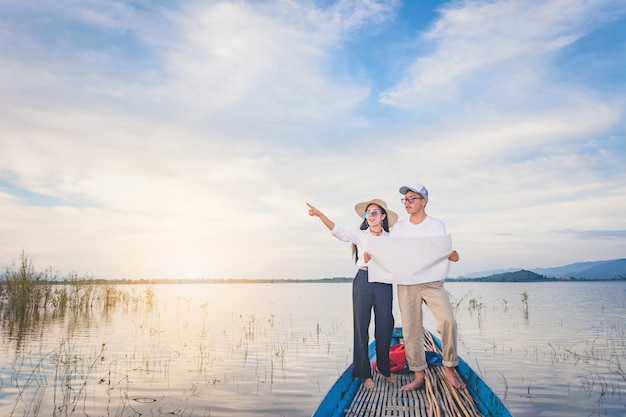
x,y
454,379
417,383
368,383
390,379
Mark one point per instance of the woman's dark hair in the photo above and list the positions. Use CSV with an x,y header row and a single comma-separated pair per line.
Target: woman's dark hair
x,y
364,226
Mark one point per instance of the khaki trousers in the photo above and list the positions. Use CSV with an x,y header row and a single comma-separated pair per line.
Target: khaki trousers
x,y
410,299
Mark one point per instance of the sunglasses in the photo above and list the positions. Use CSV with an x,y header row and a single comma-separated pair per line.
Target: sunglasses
x,y
410,200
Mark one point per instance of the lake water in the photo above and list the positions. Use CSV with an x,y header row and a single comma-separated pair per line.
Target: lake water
x,y
547,349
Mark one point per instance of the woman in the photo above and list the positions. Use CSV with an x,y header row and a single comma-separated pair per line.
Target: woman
x,y
377,220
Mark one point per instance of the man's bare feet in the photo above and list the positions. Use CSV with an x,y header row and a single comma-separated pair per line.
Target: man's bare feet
x,y
454,379
390,379
368,383
417,383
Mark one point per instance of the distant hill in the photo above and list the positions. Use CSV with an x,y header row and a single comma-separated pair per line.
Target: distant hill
x,y
517,276
594,270
611,269
488,273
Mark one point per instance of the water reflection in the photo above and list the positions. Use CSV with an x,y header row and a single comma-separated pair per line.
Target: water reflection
x,y
274,349
557,351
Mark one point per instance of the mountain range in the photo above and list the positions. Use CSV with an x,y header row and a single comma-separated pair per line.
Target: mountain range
x,y
609,269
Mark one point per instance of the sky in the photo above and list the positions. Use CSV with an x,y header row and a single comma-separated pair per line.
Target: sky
x,y
183,139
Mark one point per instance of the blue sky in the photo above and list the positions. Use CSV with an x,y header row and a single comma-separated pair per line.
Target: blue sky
x,y
182,139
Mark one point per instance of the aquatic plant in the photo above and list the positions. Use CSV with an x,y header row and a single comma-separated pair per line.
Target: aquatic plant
x,y
26,291
525,303
525,299
475,304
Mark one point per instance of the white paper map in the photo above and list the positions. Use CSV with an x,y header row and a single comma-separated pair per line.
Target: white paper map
x,y
409,260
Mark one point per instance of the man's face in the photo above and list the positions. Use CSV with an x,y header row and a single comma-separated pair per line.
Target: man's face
x,y
414,202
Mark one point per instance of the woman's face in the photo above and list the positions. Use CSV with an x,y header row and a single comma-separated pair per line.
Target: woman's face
x,y
375,215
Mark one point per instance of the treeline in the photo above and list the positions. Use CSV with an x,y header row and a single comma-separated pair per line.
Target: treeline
x,y
223,281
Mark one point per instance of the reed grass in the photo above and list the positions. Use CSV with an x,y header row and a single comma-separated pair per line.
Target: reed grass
x,y
525,303
25,291
28,295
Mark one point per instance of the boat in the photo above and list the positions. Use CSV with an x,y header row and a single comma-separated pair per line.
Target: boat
x,y
347,397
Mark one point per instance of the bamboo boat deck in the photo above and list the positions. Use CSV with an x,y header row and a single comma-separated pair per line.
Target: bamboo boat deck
x,y
437,398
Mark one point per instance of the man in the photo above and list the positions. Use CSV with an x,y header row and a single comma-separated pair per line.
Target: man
x,y
410,297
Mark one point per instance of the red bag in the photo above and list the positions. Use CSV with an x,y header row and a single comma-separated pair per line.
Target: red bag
x,y
397,358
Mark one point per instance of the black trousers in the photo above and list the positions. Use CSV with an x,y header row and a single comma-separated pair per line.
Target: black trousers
x,y
365,297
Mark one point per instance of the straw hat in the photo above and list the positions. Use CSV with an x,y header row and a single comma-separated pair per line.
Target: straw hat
x,y
361,207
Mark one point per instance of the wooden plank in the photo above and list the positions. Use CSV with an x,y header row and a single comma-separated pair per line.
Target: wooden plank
x,y
438,398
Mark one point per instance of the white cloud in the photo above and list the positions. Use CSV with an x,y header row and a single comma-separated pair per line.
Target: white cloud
x,y
196,159
482,48
265,63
